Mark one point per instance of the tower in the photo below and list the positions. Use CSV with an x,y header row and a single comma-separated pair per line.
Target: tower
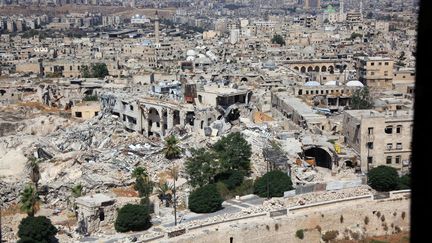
x,y
157,27
361,9
306,4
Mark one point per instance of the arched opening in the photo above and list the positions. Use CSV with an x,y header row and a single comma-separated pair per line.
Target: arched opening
x,y
153,120
331,69
244,79
317,69
322,157
2,92
323,69
310,69
303,69
296,68
349,164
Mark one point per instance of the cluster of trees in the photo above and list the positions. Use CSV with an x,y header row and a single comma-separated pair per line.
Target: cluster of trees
x,y
278,39
97,70
217,171
386,178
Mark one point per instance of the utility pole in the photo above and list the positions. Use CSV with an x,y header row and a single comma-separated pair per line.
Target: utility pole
x,y
175,203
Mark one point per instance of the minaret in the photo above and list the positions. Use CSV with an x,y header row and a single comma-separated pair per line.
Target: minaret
x,y
157,27
318,4
361,9
341,10
306,4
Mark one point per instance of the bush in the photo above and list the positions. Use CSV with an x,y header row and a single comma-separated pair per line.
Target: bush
x,y
300,234
36,229
404,182
205,199
279,182
330,235
223,190
132,218
231,178
245,188
366,220
383,178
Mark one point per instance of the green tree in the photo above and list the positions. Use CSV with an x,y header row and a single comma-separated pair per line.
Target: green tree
x,y
29,200
231,178
171,149
32,167
205,199
99,70
132,218
77,190
36,229
233,153
201,167
85,71
383,178
144,186
355,35
164,191
277,182
139,172
278,39
361,99
404,182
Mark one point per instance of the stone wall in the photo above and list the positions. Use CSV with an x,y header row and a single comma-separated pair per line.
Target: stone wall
x,y
348,218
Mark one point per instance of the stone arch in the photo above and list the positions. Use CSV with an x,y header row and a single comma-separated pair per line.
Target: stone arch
x,y
310,69
321,156
303,69
331,69
296,68
317,69
2,92
244,79
323,69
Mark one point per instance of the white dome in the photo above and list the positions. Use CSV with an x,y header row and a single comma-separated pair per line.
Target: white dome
x,y
354,83
332,83
190,53
190,58
312,83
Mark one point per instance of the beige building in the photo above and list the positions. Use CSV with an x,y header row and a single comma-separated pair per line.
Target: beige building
x,y
86,110
375,72
379,138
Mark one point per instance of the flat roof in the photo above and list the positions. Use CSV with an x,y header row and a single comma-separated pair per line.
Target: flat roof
x,y
95,200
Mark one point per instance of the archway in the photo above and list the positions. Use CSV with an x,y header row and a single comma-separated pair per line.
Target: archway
x,y
303,69
323,69
310,69
244,79
322,157
296,68
317,69
331,69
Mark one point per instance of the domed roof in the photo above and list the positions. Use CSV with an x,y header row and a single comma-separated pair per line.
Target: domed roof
x,y
190,58
354,83
190,53
332,83
312,83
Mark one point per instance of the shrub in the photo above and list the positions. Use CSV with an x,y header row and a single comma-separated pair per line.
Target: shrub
x,y
36,229
205,199
403,215
230,178
383,178
330,235
245,188
404,182
341,219
278,182
223,190
300,234
132,218
382,218
318,228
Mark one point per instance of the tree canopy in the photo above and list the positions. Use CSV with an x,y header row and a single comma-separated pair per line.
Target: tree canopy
x,y
278,39
205,199
97,70
201,167
233,153
383,178
278,183
29,200
36,229
361,99
171,149
132,218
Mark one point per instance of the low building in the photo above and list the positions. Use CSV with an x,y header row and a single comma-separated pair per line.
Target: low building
x,y
95,211
86,110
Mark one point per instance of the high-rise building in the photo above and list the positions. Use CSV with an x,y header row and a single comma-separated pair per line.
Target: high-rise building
x,y
312,4
156,23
